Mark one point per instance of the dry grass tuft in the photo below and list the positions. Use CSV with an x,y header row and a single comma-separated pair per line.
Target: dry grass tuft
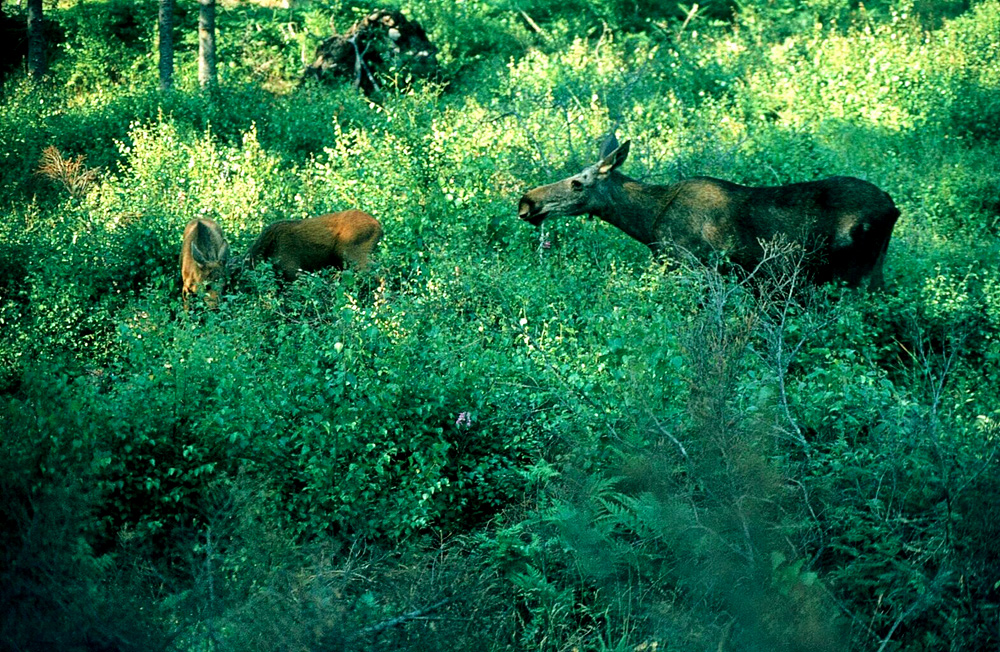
x,y
76,177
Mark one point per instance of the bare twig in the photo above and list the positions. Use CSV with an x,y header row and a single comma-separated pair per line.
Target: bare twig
x,y
359,64
663,431
600,40
690,15
532,23
899,620
416,614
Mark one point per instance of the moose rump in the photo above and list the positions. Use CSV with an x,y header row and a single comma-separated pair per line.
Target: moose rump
x,y
204,254
333,240
844,224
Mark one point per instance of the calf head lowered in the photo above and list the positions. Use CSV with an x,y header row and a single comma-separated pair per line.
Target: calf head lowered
x,y
204,253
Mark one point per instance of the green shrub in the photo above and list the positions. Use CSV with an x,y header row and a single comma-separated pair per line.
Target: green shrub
x,y
543,434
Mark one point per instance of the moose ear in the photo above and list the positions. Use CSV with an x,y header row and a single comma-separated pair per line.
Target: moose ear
x,y
609,145
614,159
197,255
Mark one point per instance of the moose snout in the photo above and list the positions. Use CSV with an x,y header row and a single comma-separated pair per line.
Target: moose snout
x,y
529,211
524,207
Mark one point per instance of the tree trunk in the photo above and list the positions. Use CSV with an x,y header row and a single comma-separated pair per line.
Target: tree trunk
x,y
206,44
36,40
165,32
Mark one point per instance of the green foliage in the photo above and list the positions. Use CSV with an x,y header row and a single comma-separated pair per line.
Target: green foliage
x,y
543,437
472,32
105,45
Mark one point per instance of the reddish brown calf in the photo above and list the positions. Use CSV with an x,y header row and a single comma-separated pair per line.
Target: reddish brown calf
x,y
333,240
204,253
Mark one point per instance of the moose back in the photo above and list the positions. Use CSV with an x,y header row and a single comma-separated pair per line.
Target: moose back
x,y
333,240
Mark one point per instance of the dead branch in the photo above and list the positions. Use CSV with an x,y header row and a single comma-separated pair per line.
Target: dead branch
x,y
399,620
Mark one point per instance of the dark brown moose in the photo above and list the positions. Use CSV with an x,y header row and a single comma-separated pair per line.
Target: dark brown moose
x,y
333,240
204,253
844,223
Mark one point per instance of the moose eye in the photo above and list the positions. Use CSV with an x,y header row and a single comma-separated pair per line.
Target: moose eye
x,y
576,184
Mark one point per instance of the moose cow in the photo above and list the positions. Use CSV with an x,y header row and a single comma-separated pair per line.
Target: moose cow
x,y
332,240
843,223
204,254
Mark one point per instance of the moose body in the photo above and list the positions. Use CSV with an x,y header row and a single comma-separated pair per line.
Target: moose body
x,y
332,240
204,253
843,223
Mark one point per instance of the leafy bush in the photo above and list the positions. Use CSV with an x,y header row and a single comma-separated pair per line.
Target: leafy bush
x,y
540,437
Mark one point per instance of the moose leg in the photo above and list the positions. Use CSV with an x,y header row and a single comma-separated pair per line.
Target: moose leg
x,y
877,281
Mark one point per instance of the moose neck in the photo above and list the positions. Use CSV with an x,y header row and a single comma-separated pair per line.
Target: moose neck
x,y
633,206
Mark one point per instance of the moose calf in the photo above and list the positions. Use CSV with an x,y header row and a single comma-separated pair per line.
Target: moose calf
x,y
333,240
204,253
843,223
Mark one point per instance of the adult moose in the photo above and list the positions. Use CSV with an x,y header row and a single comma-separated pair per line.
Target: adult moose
x,y
843,223
332,240
204,253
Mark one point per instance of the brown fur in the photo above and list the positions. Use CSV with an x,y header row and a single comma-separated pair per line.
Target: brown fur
x,y
333,240
844,223
204,253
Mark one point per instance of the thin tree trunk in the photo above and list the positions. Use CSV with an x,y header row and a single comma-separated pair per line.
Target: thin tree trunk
x,y
165,32
206,44
36,40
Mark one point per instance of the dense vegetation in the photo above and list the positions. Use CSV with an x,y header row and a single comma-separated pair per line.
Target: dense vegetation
x,y
498,438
